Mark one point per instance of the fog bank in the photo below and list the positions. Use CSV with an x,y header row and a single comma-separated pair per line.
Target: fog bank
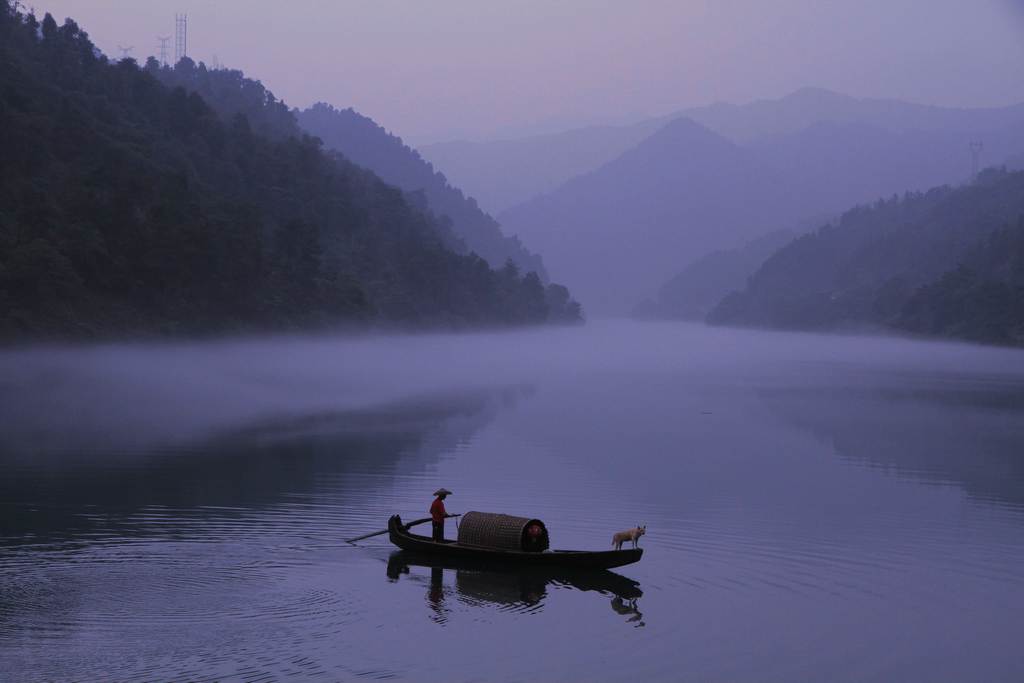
x,y
129,396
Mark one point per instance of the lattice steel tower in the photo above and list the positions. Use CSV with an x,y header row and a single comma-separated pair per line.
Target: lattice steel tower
x,y
164,48
180,37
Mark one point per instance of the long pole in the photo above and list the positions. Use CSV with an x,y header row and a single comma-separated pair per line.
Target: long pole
x,y
412,523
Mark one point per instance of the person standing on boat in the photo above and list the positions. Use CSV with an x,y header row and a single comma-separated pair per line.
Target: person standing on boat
x,y
438,513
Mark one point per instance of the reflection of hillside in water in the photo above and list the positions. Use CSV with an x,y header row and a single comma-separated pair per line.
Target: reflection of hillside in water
x,y
963,431
509,589
68,494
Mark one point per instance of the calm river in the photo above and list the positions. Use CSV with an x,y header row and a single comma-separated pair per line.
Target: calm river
x,y
817,508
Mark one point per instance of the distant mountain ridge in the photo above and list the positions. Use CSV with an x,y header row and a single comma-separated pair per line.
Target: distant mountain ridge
x,y
807,106
368,144
613,232
686,190
504,173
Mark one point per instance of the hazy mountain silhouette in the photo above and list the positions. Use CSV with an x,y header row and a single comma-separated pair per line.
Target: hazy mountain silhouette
x,y
503,173
701,285
621,231
615,234
368,144
807,106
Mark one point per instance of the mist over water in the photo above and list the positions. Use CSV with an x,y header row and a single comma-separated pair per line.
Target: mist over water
x,y
818,507
156,394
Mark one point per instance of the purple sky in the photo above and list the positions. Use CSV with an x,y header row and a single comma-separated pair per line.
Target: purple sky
x,y
448,69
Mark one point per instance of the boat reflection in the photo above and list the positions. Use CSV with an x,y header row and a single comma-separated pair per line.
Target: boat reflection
x,y
513,589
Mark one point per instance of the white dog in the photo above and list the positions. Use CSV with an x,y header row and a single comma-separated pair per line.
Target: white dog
x,y
633,534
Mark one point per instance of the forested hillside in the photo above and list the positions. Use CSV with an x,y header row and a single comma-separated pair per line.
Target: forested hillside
x,y
131,207
947,262
364,142
361,141
229,92
982,299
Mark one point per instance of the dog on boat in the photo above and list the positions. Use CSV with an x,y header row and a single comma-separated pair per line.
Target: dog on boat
x,y
633,534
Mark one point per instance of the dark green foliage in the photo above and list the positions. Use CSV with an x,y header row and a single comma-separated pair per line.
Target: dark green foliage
x,y
938,263
129,207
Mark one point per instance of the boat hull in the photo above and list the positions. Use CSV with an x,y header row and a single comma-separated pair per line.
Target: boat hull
x,y
555,559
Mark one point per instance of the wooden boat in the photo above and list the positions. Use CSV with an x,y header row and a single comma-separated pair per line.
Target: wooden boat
x,y
496,555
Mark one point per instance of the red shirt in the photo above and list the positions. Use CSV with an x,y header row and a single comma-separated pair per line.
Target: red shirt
x,y
437,511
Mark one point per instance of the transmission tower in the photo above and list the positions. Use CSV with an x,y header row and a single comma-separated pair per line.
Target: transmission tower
x,y
125,51
976,148
180,37
164,48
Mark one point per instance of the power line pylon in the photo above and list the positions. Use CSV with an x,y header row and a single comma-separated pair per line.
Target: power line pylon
x,y
164,48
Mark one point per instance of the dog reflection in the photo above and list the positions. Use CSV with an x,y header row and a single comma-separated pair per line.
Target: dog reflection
x,y
628,608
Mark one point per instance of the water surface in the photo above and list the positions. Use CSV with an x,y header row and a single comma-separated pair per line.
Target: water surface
x,y
818,508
